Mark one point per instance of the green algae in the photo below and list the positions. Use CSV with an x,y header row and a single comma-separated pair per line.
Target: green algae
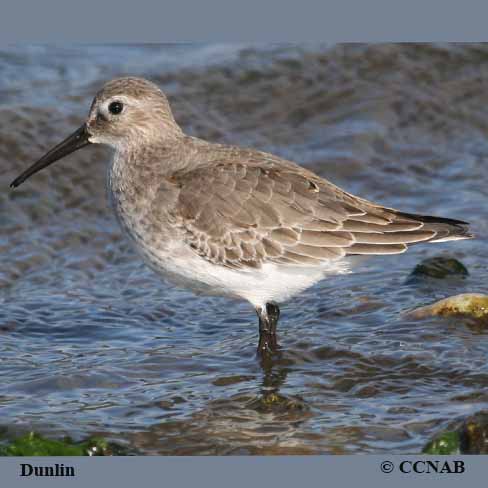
x,y
469,436
33,444
444,444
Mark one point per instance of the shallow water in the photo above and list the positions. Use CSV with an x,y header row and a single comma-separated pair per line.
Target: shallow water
x,y
93,342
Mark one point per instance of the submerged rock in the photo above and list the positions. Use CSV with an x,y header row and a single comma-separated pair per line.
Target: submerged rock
x,y
33,444
277,403
474,305
439,267
468,437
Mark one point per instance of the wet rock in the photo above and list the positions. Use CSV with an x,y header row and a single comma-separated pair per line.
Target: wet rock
x,y
33,444
439,267
444,444
466,437
472,305
474,434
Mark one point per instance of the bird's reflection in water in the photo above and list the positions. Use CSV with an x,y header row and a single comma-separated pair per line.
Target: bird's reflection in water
x,y
275,370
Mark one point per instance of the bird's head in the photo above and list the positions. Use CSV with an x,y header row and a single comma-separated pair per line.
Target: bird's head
x,y
126,111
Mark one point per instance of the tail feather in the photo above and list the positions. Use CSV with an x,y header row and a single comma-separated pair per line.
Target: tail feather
x,y
401,230
444,229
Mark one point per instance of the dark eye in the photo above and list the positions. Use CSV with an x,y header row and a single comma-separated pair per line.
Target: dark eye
x,y
115,108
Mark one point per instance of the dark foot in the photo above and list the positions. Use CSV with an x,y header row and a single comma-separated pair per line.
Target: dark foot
x,y
268,319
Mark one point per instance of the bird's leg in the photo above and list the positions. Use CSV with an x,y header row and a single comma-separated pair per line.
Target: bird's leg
x,y
268,319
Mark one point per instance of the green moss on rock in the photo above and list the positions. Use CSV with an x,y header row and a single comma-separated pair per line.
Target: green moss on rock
x,y
33,444
468,436
444,444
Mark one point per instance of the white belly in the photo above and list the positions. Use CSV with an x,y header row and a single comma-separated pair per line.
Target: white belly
x,y
272,282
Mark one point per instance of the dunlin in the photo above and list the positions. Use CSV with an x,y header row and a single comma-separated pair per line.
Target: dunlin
x,y
227,220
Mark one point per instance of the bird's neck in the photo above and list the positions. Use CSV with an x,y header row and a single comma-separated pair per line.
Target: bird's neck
x,y
137,171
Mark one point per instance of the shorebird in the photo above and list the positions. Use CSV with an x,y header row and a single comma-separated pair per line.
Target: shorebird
x,y
227,220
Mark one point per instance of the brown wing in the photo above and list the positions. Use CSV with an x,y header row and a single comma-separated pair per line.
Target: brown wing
x,y
240,216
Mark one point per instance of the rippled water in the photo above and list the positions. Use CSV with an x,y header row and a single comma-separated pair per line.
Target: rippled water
x,y
92,342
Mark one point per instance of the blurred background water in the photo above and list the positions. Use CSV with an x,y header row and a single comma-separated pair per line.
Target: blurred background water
x,y
93,342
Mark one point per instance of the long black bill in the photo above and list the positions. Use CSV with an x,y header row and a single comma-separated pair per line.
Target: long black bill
x,y
71,144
